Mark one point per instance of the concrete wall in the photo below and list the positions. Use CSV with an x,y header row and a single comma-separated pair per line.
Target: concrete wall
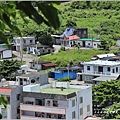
x,y
15,104
86,94
6,54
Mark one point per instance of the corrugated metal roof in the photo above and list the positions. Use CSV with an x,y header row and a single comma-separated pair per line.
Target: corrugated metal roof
x,y
48,64
105,78
68,32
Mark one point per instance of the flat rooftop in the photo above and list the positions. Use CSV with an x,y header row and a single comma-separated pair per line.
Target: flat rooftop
x,y
31,74
102,62
59,91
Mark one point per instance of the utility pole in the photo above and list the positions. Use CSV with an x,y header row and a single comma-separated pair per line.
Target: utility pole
x,y
68,70
37,55
21,55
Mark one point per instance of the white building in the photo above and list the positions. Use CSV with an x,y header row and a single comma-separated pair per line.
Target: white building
x,y
88,42
13,94
58,100
32,77
23,42
5,53
99,70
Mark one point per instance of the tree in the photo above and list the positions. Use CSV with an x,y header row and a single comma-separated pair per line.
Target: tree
x,y
8,68
71,23
104,95
112,112
39,11
3,101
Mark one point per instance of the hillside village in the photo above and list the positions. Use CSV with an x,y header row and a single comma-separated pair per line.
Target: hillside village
x,y
33,80
39,88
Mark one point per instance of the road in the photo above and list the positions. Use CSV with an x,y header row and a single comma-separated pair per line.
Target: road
x,y
26,57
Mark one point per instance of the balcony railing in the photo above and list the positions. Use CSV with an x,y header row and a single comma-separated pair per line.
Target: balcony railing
x,y
97,73
45,109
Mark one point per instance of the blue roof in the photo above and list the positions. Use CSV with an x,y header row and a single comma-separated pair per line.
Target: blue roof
x,y
68,32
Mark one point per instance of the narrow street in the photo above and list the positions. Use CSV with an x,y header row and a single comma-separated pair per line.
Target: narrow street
x,y
26,57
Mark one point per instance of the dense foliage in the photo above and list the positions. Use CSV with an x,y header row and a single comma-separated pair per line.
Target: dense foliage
x,y
11,11
104,95
8,68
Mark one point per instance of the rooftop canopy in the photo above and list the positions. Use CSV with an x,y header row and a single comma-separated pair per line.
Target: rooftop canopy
x,y
89,39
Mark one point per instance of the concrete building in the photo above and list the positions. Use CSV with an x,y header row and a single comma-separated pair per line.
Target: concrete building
x,y
100,70
58,100
32,77
41,49
5,53
42,65
23,42
13,93
88,42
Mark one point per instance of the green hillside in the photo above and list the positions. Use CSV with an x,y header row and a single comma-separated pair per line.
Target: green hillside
x,y
100,17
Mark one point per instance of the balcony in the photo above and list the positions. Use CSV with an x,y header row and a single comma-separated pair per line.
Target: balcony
x,y
96,73
35,118
45,109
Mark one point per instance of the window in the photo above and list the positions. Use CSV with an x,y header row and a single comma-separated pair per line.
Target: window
x,y
116,69
84,31
108,69
73,114
88,67
88,43
30,41
55,103
81,99
73,103
18,96
81,111
88,108
18,40
18,110
113,71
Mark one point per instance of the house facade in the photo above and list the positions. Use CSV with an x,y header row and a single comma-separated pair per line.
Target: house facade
x,y
5,53
13,94
23,42
42,65
88,42
41,49
32,77
69,41
99,70
58,100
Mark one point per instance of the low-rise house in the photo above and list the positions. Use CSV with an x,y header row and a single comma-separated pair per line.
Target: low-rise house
x,y
41,65
65,72
80,32
88,42
103,56
13,94
32,77
58,100
41,49
99,70
5,53
69,41
23,42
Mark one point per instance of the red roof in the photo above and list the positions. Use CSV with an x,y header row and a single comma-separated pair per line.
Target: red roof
x,y
73,37
48,64
5,90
